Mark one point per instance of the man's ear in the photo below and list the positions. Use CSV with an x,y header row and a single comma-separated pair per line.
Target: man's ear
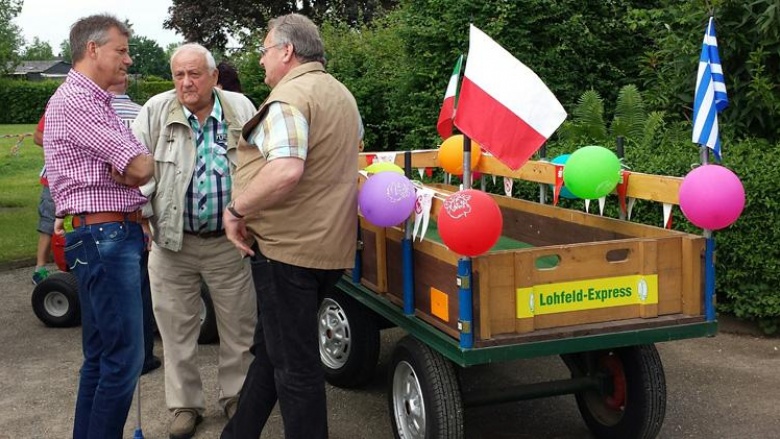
x,y
91,48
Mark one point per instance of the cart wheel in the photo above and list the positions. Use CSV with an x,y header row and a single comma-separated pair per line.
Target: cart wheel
x,y
55,301
424,397
349,340
208,320
632,401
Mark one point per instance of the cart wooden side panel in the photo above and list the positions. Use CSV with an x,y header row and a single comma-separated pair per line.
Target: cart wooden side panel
x,y
571,270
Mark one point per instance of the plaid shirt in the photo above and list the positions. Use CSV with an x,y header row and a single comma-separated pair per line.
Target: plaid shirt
x,y
83,140
283,133
209,190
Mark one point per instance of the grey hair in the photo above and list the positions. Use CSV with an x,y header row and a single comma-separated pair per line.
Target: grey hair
x,y
197,48
302,33
93,28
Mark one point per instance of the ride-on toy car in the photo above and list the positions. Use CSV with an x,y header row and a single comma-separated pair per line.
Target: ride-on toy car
x,y
55,300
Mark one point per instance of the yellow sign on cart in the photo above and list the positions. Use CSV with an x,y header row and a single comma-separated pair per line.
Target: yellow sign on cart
x,y
587,294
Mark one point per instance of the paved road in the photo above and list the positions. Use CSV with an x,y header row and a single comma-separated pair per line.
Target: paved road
x,y
722,387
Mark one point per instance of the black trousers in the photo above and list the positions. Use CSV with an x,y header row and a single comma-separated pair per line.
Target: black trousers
x,y
286,349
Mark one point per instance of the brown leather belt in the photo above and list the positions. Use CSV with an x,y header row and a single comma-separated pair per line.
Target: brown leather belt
x,y
88,219
205,234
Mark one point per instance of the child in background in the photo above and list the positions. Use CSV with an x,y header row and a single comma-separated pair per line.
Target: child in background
x,y
45,218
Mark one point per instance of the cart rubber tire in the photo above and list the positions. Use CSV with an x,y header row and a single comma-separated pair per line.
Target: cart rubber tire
x,y
348,340
209,333
424,393
55,301
633,403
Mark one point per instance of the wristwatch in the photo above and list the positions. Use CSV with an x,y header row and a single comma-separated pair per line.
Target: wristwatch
x,y
231,207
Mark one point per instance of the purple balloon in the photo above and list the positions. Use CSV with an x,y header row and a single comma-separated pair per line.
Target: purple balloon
x,y
387,199
712,197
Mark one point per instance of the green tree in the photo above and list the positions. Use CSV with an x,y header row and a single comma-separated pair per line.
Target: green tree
x,y
211,22
148,58
38,51
749,46
10,34
65,53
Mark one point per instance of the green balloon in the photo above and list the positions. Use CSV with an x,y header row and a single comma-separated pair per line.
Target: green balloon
x,y
376,168
591,172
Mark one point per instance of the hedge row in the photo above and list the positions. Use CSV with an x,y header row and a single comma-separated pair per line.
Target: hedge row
x,y
25,101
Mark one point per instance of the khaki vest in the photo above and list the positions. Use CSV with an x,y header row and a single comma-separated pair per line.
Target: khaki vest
x,y
316,225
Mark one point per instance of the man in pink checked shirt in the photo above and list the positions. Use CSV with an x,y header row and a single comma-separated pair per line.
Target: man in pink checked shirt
x,y
95,166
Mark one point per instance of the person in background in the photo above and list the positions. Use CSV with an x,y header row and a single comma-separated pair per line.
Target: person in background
x,y
45,217
94,165
228,77
193,133
296,197
127,110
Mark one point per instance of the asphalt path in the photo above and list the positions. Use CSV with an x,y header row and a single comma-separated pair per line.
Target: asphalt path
x,y
723,387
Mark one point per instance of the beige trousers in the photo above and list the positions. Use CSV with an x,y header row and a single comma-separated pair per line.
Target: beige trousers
x,y
175,279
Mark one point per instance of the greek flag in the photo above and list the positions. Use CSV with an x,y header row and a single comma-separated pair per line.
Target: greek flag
x,y
711,96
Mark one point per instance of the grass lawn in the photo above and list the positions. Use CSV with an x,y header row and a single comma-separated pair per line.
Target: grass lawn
x,y
20,164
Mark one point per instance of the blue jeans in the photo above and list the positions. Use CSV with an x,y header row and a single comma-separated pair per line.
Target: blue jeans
x,y
287,364
106,260
146,300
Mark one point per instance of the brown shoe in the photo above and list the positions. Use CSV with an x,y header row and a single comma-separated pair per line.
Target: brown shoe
x,y
184,423
230,407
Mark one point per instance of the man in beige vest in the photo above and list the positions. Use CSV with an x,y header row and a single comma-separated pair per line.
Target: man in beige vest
x,y
296,198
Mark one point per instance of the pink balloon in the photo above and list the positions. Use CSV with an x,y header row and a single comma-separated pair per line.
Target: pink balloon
x,y
387,199
712,197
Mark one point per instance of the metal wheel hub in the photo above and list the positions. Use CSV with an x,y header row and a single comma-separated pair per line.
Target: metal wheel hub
x,y
334,334
408,403
56,304
608,405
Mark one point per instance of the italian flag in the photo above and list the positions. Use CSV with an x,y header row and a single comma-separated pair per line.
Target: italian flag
x,y
447,113
503,105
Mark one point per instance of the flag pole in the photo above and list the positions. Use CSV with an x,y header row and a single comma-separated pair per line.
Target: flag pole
x,y
542,186
465,293
709,260
709,99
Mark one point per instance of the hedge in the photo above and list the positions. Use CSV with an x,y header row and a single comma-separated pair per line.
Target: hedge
x,y
25,101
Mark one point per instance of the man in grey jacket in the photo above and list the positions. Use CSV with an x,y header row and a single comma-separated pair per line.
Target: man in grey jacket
x,y
192,132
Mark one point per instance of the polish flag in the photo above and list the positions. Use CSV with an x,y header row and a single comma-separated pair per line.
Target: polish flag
x,y
447,112
503,105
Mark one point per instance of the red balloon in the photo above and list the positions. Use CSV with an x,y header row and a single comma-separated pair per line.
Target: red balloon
x,y
470,222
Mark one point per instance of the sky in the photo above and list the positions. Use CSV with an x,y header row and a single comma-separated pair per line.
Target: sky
x,y
50,20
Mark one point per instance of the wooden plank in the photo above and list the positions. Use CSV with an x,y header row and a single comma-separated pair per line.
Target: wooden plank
x,y
586,261
670,272
648,256
693,276
586,316
569,216
484,329
587,329
659,188
500,299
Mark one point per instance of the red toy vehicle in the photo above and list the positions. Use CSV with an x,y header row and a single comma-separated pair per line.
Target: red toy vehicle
x,y
55,300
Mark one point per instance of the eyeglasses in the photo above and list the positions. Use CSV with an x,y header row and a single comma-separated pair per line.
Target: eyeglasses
x,y
263,50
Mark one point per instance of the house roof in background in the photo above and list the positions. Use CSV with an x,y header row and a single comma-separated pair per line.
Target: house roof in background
x,y
55,66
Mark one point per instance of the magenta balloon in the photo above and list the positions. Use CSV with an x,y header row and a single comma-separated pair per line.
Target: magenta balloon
x,y
387,199
712,197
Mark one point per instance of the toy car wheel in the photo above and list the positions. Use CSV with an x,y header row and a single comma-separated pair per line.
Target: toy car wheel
x,y
55,301
424,398
631,403
208,320
349,340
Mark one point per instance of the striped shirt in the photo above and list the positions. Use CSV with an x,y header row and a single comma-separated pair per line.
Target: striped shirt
x,y
209,190
83,140
283,133
126,109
